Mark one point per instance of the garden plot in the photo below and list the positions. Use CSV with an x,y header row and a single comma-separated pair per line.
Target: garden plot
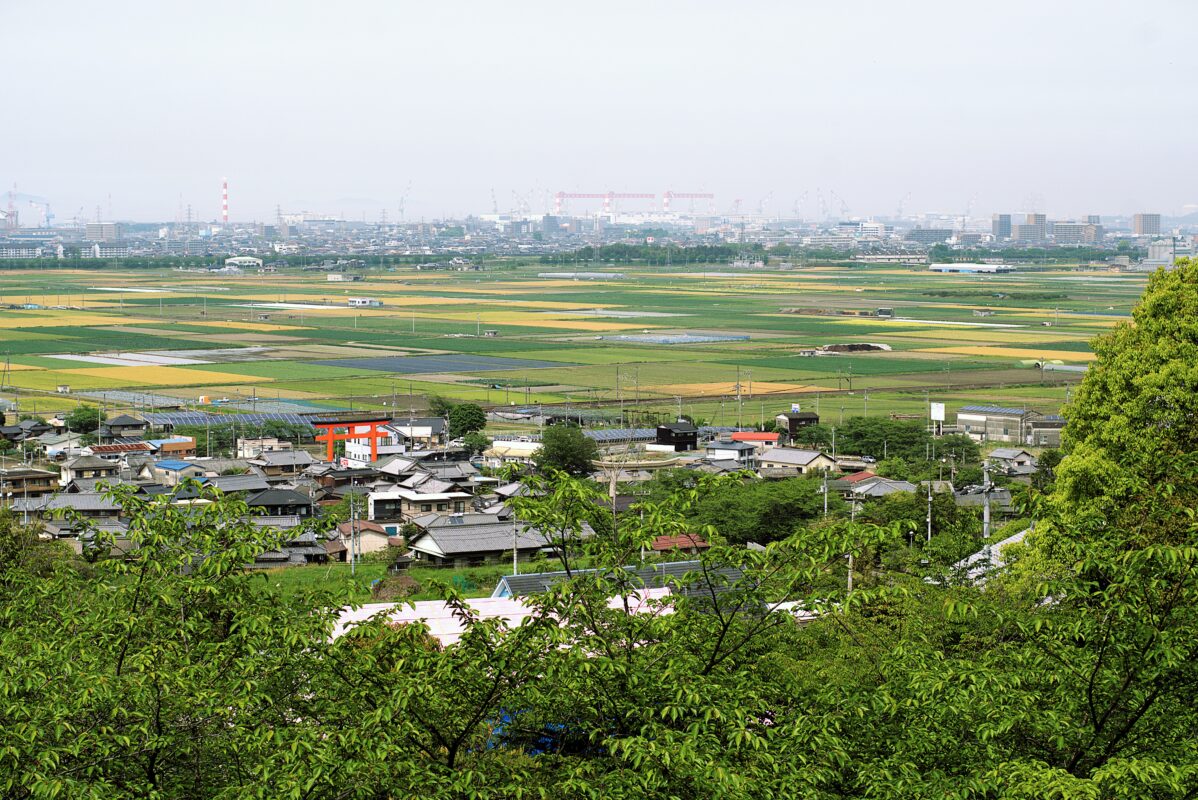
x,y
420,365
613,313
729,389
131,360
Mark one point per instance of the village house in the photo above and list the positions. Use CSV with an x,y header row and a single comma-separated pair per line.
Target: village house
x,y
502,453
281,503
680,436
94,506
469,540
122,427
794,421
177,447
171,472
794,461
400,504
1046,431
744,454
762,440
282,463
252,448
371,537
26,482
88,467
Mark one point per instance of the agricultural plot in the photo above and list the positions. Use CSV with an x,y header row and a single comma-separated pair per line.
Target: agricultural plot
x,y
291,336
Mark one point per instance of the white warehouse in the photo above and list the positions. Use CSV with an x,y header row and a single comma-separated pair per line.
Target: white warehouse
x,y
365,302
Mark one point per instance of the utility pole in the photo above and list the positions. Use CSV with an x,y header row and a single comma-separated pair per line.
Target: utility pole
x,y
825,491
353,526
853,520
738,402
985,500
515,549
929,511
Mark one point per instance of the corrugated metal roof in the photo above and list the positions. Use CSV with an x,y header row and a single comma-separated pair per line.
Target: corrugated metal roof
x,y
994,410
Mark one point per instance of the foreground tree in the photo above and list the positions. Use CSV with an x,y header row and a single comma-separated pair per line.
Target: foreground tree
x,y
1135,417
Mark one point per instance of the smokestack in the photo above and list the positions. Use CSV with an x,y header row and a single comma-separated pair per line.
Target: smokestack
x,y
224,201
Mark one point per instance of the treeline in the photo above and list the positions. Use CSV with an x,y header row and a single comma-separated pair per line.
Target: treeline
x,y
658,255
943,254
991,294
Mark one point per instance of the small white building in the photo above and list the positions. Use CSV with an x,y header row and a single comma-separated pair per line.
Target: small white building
x,y
365,302
244,262
510,452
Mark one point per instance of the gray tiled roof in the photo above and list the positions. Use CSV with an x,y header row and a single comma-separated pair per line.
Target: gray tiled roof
x,y
495,538
80,501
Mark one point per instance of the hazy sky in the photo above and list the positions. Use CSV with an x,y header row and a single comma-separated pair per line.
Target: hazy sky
x,y
337,106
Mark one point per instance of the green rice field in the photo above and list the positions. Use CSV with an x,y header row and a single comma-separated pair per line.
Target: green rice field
x,y
956,338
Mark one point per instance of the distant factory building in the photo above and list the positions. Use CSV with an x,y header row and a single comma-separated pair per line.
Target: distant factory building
x,y
341,277
244,262
102,232
1000,226
1146,224
972,267
1077,233
929,235
365,302
996,423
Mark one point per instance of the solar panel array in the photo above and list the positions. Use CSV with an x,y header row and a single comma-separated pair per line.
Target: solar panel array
x,y
178,418
124,398
622,434
571,412
677,338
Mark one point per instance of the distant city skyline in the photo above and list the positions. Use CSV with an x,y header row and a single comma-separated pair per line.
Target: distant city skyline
x,y
346,109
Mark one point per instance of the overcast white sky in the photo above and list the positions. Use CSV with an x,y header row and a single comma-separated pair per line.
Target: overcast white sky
x,y
336,106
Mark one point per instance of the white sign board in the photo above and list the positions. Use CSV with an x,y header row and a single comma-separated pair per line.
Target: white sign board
x,y
938,412
794,408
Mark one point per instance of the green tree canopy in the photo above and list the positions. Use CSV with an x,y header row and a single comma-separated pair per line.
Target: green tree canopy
x,y
760,511
566,448
84,419
1134,419
466,418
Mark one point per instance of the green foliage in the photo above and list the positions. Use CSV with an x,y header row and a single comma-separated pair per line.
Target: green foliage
x,y
762,511
566,448
439,406
1131,424
466,418
1047,462
476,442
84,419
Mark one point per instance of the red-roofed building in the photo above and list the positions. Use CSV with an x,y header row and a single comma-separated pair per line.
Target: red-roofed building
x,y
859,476
760,440
685,542
116,451
756,436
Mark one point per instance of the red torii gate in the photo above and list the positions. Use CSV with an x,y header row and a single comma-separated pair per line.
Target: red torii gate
x,y
361,427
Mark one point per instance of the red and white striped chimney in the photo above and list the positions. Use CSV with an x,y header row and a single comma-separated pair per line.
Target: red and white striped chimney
x,y
224,201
